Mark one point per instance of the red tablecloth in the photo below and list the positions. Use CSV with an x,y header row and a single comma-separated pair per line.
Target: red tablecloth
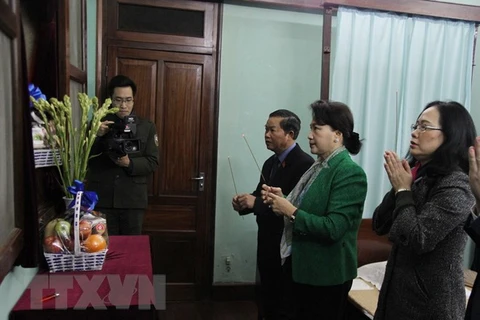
x,y
124,282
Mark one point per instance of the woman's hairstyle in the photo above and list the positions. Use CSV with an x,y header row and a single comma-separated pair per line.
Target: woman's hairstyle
x,y
459,134
338,116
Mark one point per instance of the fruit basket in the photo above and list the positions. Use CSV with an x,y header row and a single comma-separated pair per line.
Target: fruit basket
x,y
81,262
45,157
62,254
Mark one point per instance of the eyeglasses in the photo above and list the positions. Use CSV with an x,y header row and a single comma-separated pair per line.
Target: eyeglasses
x,y
423,127
120,101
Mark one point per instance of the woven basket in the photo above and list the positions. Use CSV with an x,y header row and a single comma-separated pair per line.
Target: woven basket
x,y
69,262
45,157
78,261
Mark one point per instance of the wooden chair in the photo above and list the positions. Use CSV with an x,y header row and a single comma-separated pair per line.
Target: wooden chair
x,y
370,246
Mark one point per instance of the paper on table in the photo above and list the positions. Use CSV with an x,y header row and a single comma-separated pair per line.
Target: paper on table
x,y
359,284
373,273
469,277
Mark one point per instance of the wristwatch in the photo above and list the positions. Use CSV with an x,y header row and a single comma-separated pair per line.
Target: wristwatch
x,y
401,190
293,217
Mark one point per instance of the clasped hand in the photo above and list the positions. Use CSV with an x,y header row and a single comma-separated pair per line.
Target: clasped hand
x,y
273,196
243,201
398,171
474,171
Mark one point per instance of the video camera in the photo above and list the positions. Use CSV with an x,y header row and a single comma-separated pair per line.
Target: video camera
x,y
121,139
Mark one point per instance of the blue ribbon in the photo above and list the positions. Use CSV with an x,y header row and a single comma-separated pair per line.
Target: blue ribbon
x,y
89,198
35,92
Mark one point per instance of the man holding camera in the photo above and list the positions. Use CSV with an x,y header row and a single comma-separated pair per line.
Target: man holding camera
x,y
125,154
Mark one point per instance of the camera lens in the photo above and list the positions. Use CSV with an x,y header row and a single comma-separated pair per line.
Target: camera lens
x,y
129,146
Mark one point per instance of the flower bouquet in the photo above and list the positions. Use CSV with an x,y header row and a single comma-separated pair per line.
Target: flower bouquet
x,y
73,144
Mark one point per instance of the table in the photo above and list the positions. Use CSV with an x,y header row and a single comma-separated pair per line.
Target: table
x,y
366,300
124,289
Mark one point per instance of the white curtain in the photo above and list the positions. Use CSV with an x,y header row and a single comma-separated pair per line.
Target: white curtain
x,y
387,67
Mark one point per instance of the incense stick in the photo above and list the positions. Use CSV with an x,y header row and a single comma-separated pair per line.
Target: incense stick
x,y
254,159
396,122
50,297
233,178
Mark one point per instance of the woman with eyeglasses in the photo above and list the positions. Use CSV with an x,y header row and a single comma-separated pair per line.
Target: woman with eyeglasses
x,y
424,215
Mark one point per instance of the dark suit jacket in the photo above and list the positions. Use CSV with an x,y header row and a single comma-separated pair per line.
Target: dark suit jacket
x,y
270,226
119,187
472,228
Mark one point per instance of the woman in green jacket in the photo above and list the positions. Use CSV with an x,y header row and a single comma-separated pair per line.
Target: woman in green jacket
x,y
322,215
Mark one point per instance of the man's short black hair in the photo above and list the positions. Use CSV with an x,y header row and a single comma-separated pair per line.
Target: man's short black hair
x,y
290,121
121,81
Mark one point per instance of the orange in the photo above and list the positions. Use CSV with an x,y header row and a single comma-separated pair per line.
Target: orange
x,y
95,243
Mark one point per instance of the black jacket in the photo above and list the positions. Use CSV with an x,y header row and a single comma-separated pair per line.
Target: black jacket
x,y
119,187
472,228
270,225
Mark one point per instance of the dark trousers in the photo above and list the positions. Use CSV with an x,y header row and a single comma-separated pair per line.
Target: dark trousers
x,y
269,291
288,300
321,302
123,221
473,306
275,290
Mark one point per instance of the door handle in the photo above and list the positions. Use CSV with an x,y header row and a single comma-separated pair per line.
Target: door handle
x,y
201,181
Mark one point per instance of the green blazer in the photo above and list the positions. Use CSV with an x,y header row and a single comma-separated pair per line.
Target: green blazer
x,y
324,243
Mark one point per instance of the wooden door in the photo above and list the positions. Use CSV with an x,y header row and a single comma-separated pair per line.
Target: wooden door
x,y
175,90
13,210
72,65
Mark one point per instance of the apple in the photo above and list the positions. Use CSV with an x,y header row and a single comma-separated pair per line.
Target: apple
x,y
100,228
48,240
68,244
52,245
62,228
85,228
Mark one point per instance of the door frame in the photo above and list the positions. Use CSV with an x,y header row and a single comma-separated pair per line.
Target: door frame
x,y
101,74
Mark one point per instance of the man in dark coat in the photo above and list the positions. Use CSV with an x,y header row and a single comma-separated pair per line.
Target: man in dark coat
x,y
127,149
283,169
472,227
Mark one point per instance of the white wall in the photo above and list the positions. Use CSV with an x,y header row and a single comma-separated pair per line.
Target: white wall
x,y
271,59
12,288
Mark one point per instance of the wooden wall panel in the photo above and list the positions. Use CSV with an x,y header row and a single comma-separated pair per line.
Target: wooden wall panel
x,y
171,218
